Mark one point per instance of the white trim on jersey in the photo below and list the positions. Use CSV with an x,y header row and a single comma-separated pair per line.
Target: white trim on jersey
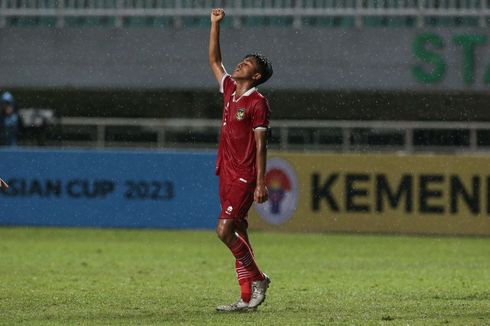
x,y
250,91
221,89
247,93
260,128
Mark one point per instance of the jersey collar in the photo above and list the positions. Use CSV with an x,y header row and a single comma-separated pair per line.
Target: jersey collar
x,y
247,93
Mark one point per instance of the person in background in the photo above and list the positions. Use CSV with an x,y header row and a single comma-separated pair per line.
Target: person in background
x,y
9,120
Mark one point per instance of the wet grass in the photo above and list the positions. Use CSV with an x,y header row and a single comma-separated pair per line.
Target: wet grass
x,y
144,277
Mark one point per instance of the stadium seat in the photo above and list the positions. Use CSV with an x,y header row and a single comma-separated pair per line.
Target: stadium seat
x,y
340,14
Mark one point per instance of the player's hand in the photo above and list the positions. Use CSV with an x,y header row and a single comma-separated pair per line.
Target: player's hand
x,y
217,15
261,194
3,184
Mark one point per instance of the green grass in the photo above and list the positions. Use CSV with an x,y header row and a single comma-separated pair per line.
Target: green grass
x,y
143,277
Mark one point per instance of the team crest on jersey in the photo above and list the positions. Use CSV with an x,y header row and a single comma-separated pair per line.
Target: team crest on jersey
x,y
240,114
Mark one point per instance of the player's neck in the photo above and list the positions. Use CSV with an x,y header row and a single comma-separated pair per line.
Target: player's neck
x,y
242,86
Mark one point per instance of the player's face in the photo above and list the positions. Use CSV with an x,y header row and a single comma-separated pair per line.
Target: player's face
x,y
246,69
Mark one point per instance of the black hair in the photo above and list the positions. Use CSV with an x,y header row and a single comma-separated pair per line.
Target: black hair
x,y
264,65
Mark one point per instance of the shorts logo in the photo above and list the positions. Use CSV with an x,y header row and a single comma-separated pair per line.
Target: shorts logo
x,y
229,210
282,184
240,114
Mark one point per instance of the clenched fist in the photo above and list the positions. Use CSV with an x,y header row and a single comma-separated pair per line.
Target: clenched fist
x,y
217,15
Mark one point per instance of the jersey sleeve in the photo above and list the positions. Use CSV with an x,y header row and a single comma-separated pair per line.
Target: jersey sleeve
x,y
261,115
226,82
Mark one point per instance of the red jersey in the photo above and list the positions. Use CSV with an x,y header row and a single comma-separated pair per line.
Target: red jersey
x,y
241,116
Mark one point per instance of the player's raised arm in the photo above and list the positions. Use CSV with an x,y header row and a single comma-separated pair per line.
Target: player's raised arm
x,y
3,184
215,61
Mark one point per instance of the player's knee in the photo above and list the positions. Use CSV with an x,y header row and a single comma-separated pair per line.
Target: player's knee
x,y
221,232
224,233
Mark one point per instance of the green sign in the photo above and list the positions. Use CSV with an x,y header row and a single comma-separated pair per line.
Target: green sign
x,y
428,48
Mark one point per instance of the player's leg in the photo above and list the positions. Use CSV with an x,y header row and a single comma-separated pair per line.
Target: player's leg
x,y
239,198
244,282
246,267
257,287
3,184
241,227
232,231
225,229
226,232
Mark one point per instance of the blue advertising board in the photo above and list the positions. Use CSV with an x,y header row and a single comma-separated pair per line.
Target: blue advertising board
x,y
109,188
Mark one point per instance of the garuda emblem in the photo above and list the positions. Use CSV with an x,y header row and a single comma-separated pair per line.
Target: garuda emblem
x,y
240,114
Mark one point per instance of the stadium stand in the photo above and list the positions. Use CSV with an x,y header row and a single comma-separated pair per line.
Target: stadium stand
x,y
408,135
246,13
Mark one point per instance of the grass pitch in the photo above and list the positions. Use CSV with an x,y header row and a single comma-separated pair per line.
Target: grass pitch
x,y
119,277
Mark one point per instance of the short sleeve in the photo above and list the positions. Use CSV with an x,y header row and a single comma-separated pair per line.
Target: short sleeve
x,y
226,81
261,114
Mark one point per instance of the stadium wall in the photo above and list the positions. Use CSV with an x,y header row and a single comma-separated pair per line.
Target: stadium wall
x,y
380,193
304,59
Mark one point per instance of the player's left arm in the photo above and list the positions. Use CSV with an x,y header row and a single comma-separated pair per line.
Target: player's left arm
x,y
261,194
3,184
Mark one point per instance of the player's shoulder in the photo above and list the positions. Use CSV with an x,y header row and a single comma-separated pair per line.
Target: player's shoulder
x,y
227,85
229,80
257,97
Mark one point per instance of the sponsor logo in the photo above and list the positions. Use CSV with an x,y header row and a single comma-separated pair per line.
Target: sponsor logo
x,y
229,210
240,114
282,184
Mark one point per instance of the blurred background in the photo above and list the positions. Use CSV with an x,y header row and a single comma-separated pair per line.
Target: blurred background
x,y
350,75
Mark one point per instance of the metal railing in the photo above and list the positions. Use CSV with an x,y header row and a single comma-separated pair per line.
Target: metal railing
x,y
405,136
295,10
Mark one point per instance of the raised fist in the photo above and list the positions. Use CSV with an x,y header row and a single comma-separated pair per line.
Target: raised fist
x,y
217,15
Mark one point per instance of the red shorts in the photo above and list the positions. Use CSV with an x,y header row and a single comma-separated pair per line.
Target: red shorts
x,y
236,197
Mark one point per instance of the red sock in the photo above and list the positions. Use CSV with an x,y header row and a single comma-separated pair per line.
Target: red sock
x,y
246,266
243,277
246,290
